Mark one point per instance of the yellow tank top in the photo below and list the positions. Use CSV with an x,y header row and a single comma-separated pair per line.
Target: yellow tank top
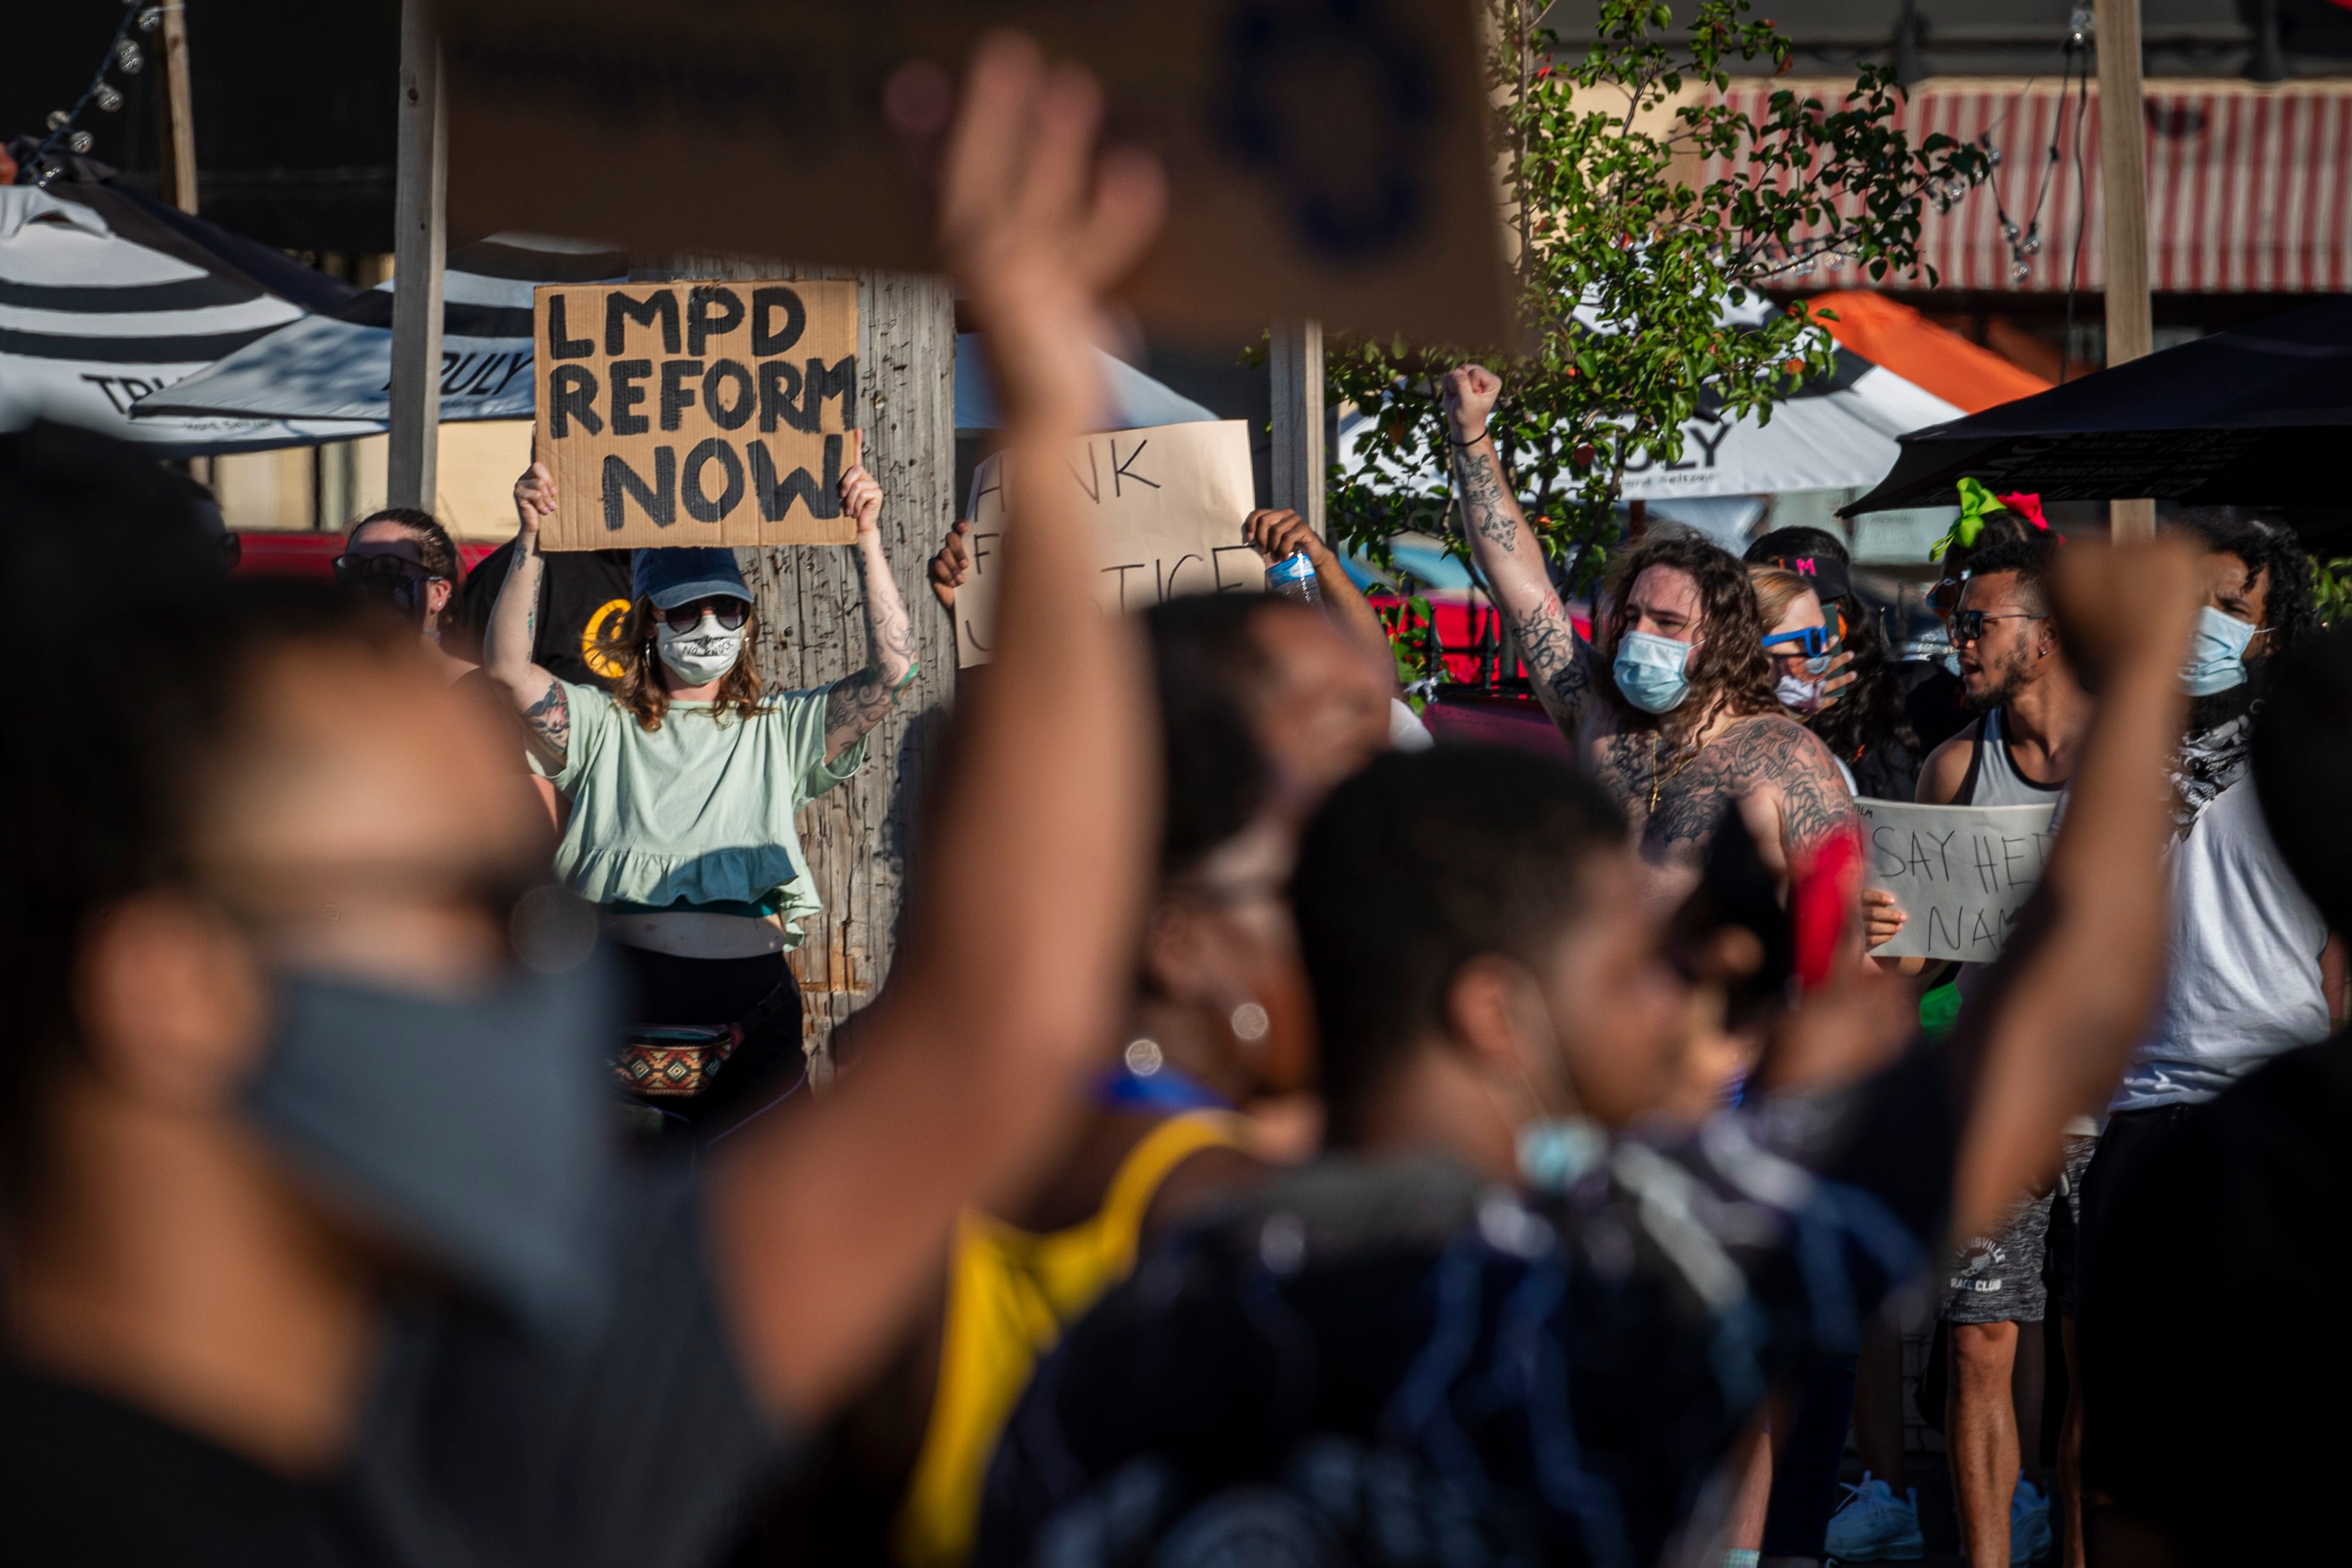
x,y
1010,1295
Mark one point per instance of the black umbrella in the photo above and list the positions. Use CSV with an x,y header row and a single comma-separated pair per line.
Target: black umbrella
x,y
2260,416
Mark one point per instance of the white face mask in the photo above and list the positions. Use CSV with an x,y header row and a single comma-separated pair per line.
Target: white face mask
x,y
1798,693
701,655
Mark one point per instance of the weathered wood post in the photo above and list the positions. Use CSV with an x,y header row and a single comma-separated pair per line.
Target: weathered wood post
x,y
813,629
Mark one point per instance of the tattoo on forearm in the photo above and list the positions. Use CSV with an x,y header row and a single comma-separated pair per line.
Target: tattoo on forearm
x,y
1484,504
549,720
853,706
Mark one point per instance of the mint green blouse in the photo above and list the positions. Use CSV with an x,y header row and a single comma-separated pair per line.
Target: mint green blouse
x,y
698,814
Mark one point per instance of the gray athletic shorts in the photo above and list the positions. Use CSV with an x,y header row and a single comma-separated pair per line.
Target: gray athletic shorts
x,y
1997,1279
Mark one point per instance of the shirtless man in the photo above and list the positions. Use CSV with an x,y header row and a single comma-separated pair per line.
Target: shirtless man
x,y
1674,709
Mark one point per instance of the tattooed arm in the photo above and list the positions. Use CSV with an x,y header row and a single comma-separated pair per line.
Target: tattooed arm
x,y
1559,664
514,628
853,706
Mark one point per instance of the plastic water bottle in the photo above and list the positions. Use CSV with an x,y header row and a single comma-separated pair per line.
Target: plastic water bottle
x,y
1293,578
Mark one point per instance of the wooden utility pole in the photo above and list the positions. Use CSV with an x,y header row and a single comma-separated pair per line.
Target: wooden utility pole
x,y
1299,461
419,244
2123,194
859,836
179,119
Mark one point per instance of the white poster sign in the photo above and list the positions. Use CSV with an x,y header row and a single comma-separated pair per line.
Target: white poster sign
x,y
1960,874
1167,503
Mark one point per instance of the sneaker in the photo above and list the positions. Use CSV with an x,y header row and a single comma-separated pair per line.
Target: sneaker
x,y
1873,1525
2029,1522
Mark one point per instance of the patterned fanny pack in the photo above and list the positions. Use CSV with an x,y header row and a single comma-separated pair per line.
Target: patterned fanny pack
x,y
678,1061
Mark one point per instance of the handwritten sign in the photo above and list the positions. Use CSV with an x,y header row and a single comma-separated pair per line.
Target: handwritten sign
x,y
1960,874
1325,160
697,412
1166,503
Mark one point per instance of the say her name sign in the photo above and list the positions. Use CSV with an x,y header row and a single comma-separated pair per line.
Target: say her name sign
x,y
1960,874
1167,505
697,412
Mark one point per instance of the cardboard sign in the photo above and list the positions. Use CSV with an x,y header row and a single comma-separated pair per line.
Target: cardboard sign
x,y
1326,159
703,412
1167,503
1961,873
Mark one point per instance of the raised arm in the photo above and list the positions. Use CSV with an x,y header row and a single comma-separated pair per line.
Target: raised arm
x,y
854,704
2051,1032
825,1232
513,630
1509,555
1278,531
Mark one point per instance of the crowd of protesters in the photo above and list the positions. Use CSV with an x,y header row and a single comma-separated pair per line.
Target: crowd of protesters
x,y
1280,1140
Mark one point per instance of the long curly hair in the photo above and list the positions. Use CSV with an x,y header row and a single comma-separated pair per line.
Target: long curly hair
x,y
1728,669
629,643
1869,712
2270,548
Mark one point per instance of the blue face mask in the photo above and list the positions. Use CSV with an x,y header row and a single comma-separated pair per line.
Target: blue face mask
x,y
477,1129
1555,1150
2217,654
1649,671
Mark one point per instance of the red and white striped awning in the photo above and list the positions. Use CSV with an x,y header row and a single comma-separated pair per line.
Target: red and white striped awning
x,y
2250,188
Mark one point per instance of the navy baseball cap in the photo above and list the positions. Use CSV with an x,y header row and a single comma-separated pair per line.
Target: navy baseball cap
x,y
682,575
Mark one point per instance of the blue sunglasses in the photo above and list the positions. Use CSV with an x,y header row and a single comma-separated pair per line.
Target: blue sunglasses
x,y
1812,642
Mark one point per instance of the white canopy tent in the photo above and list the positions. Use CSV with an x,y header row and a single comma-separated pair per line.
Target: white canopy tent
x,y
92,319
339,365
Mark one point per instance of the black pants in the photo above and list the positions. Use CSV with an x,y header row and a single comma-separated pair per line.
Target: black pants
x,y
2129,1136
1805,1471
672,990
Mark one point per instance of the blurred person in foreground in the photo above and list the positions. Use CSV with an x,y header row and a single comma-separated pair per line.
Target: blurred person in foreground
x,y
2253,971
2193,1398
1386,1358
1203,1096
404,560
1861,718
1673,708
1318,709
684,784
318,1250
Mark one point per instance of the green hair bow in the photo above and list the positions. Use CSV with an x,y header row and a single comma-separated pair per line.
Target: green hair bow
x,y
1977,503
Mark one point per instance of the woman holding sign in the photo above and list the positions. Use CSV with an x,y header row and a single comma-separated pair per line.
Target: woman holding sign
x,y
684,782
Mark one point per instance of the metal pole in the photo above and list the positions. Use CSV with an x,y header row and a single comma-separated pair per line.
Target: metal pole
x,y
419,242
1299,462
179,111
2123,193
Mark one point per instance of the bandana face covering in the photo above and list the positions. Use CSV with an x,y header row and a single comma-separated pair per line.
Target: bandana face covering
x,y
699,656
1649,671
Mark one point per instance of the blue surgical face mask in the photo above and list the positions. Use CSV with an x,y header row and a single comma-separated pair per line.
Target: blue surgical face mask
x,y
2217,654
1555,1150
477,1129
1649,671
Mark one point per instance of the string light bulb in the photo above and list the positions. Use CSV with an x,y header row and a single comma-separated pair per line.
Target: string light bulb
x,y
107,97
127,57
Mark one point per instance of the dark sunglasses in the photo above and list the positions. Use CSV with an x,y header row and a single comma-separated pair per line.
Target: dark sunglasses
x,y
732,613
359,570
1812,642
1969,625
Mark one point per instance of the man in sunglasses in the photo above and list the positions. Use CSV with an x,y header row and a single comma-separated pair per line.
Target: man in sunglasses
x,y
2021,751
405,560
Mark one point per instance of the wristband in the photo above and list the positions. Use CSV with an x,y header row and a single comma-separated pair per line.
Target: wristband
x,y
1471,442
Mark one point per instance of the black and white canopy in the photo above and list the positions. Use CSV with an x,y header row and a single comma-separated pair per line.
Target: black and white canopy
x,y
338,365
106,296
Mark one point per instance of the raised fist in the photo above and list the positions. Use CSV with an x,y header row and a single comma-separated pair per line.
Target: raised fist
x,y
1469,394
